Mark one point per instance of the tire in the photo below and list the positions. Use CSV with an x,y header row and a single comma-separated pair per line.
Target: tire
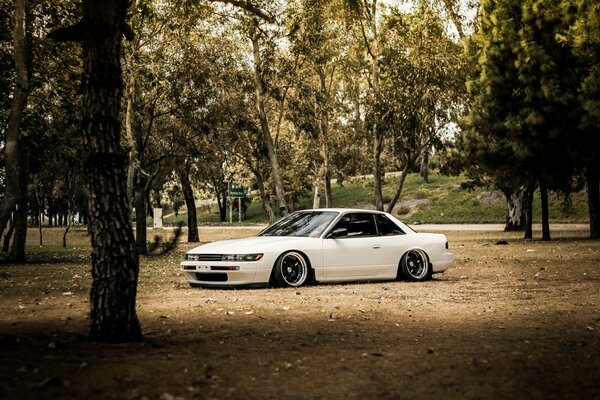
x,y
291,270
415,266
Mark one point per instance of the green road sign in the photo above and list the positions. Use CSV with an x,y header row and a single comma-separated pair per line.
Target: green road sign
x,y
235,190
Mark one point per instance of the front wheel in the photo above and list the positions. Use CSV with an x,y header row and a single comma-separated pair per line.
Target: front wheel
x,y
414,266
291,270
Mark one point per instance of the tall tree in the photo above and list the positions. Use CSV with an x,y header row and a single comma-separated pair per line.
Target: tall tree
x,y
548,80
365,13
317,35
15,195
422,86
584,37
495,97
115,262
261,100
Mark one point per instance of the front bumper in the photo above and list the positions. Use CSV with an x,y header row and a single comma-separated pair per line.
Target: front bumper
x,y
225,273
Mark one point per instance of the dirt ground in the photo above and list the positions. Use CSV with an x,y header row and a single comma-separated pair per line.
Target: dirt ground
x,y
517,321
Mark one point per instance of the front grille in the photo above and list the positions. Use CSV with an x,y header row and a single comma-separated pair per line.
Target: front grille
x,y
211,277
205,257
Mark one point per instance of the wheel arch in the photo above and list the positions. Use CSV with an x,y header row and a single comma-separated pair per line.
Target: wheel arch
x,y
311,272
400,276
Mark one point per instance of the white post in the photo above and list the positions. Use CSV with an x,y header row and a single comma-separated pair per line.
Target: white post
x,y
157,218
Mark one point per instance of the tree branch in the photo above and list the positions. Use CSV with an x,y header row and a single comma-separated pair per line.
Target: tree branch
x,y
248,6
73,33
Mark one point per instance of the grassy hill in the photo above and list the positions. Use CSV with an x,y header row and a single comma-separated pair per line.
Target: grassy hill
x,y
442,200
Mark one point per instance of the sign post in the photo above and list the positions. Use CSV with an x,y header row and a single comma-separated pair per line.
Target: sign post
x,y
235,191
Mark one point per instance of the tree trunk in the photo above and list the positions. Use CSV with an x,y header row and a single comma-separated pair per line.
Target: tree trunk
x,y
188,194
9,233
425,165
115,261
41,237
377,169
66,231
266,201
378,134
529,214
12,153
456,20
141,205
317,195
264,124
222,203
545,213
328,192
593,188
516,210
399,188
323,106
133,155
17,250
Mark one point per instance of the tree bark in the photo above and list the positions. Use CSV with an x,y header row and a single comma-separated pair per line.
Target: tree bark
x,y
9,233
593,189
17,252
133,155
372,45
266,201
425,165
516,210
323,106
66,232
188,194
141,208
264,124
400,187
377,169
317,194
529,213
456,20
545,213
115,262
17,249
12,152
221,202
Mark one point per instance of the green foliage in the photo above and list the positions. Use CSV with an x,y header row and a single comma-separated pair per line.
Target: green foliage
x,y
584,37
443,200
531,112
524,120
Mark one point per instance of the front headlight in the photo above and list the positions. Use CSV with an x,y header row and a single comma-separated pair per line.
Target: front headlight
x,y
192,257
242,257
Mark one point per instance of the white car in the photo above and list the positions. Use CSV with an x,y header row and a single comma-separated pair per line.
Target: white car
x,y
324,245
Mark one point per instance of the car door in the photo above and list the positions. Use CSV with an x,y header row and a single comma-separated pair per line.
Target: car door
x,y
358,254
394,244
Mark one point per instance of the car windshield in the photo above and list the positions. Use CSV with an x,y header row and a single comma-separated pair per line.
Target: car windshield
x,y
303,223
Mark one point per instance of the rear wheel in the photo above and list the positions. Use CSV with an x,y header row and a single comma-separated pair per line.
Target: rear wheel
x,y
291,270
414,266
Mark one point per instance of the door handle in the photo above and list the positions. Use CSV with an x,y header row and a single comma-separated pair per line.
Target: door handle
x,y
376,246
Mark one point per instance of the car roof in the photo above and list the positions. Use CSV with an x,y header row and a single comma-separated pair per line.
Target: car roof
x,y
343,210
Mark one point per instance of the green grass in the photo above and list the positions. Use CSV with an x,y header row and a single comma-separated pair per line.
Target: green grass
x,y
442,200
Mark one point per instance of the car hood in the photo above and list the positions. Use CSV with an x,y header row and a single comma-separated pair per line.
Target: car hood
x,y
247,245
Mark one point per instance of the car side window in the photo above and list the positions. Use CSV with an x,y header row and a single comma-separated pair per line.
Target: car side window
x,y
358,224
387,227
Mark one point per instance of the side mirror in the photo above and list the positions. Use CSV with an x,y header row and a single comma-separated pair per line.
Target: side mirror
x,y
338,232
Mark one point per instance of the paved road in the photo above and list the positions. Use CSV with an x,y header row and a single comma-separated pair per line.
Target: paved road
x,y
494,227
